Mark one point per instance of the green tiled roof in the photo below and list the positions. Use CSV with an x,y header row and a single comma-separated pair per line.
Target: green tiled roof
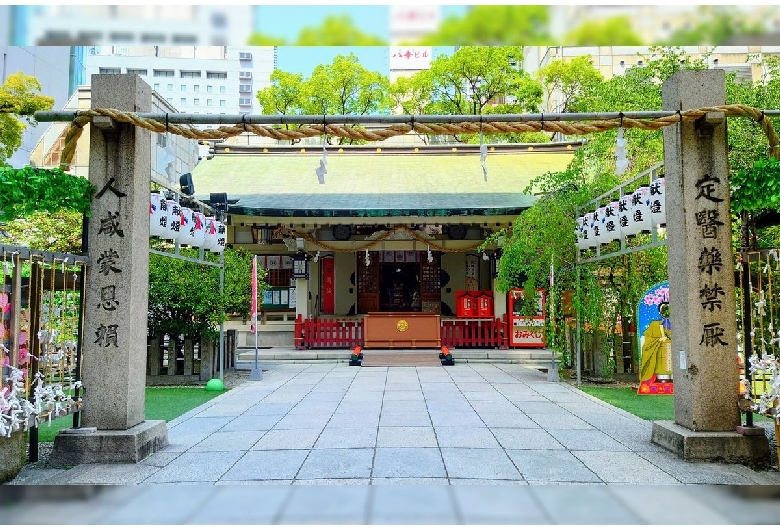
x,y
374,184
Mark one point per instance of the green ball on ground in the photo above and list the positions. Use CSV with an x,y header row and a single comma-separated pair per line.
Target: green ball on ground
x,y
215,385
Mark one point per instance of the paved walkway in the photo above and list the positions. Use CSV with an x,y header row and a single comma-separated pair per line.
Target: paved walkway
x,y
415,433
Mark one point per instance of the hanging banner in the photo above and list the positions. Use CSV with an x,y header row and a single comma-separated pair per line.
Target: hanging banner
x,y
327,287
655,341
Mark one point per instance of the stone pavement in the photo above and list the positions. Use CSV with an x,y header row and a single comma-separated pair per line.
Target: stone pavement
x,y
454,444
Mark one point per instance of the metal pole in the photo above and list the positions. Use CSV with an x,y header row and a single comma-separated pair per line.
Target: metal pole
x,y
312,119
222,317
578,332
747,310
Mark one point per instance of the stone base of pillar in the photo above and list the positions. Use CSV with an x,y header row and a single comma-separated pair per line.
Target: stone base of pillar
x,y
92,446
13,454
712,446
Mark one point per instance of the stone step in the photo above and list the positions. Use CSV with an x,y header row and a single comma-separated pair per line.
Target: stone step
x,y
401,359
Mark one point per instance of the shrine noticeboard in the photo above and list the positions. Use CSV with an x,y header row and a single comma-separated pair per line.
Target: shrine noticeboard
x,y
527,331
655,341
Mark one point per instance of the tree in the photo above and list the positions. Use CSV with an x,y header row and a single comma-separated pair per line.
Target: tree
x,y
184,297
337,31
19,97
716,25
614,31
494,25
568,79
284,96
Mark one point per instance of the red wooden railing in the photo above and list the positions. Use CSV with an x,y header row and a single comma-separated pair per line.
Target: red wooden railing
x,y
474,333
328,333
348,333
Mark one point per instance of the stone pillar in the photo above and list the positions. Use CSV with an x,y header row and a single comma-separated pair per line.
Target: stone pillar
x,y
189,355
117,286
701,278
206,359
155,358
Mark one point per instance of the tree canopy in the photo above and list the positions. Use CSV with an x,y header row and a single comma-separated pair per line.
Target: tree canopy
x,y
494,25
19,98
335,30
567,79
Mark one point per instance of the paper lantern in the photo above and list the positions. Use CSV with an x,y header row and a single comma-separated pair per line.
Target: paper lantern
x,y
658,201
582,243
174,220
209,233
187,224
158,215
624,214
199,229
640,209
587,230
221,240
612,221
599,228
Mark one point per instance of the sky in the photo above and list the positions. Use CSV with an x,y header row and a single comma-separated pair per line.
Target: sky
x,y
288,21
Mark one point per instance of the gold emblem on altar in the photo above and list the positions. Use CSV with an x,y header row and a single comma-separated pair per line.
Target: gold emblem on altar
x,y
402,325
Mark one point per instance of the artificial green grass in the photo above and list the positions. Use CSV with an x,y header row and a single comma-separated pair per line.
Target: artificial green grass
x,y
648,407
162,403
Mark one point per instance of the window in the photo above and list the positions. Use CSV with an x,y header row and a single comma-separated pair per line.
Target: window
x,y
137,71
163,73
221,102
169,100
216,75
245,101
170,86
185,39
161,140
222,89
245,56
196,101
209,88
110,70
245,74
183,101
153,38
244,88
219,20
196,88
190,73
184,88
157,86
209,102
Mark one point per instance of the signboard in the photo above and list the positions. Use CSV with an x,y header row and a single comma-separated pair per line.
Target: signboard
x,y
527,330
410,57
406,18
655,341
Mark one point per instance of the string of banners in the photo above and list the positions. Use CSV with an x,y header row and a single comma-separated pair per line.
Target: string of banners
x,y
169,220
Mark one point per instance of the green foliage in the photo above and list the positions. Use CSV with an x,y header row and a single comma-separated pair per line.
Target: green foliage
x,y
568,79
494,25
614,31
184,297
341,87
337,31
19,98
54,232
716,25
28,190
757,188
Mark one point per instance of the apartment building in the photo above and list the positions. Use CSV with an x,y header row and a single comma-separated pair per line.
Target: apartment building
x,y
193,79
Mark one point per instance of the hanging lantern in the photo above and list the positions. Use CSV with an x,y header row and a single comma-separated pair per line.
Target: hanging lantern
x,y
582,243
587,231
209,233
658,201
624,216
612,221
599,228
219,245
185,231
640,209
174,220
158,216
198,231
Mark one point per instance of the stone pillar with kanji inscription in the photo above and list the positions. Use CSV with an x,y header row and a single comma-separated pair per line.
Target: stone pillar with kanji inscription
x,y
114,428
701,279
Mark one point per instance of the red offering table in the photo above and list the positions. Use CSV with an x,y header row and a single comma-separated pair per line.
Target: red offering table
x,y
402,330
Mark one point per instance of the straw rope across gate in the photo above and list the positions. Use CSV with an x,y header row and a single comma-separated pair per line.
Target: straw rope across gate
x,y
559,123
